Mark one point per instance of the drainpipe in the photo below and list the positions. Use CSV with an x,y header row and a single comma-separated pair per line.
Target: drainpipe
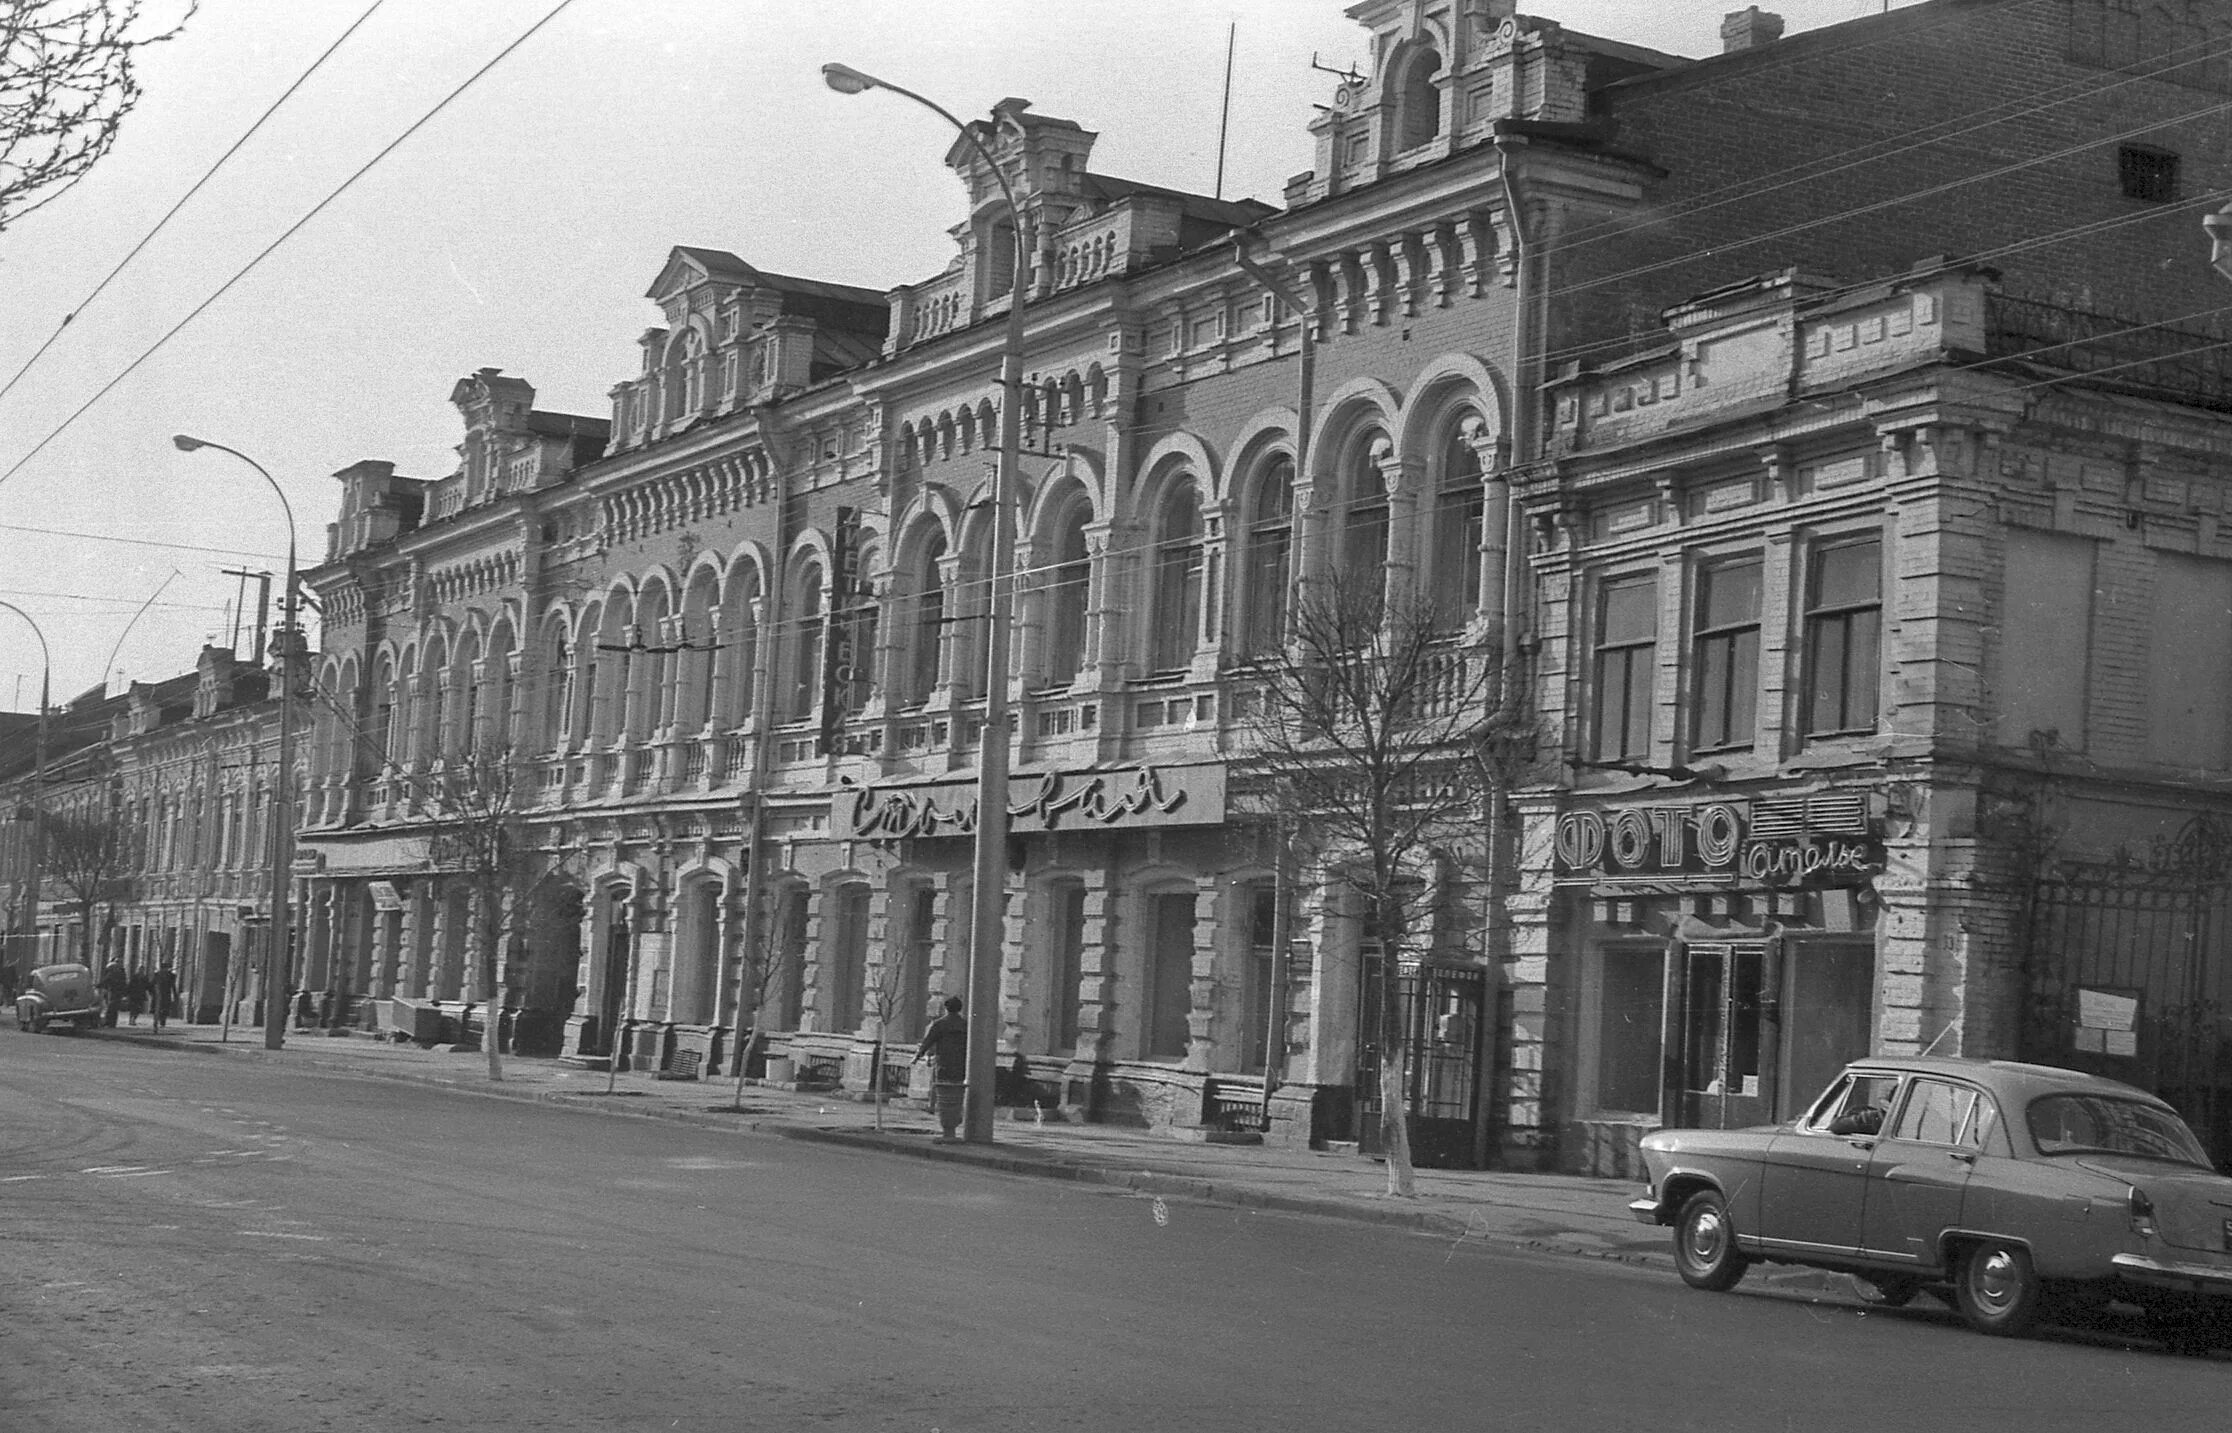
x,y
1274,1045
1520,447
753,936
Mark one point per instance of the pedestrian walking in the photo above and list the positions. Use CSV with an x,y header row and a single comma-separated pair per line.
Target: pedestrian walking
x,y
162,990
113,983
946,1045
135,995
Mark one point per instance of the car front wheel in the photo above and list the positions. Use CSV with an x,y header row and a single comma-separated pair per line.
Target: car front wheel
x,y
1705,1244
1999,1290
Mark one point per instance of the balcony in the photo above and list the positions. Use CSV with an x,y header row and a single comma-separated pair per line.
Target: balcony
x,y
2181,365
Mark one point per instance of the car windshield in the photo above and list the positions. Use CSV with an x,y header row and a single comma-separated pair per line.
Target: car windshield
x,y
2102,1124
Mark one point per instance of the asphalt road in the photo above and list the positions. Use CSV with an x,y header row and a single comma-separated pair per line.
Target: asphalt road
x,y
199,1243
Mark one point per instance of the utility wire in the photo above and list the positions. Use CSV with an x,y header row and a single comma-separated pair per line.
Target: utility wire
x,y
140,541
207,175
291,230
1854,156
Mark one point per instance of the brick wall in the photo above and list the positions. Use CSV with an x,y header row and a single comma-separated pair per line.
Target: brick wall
x,y
1873,86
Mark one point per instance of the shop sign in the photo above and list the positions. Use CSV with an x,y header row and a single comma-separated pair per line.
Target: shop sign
x,y
1121,799
1719,841
384,895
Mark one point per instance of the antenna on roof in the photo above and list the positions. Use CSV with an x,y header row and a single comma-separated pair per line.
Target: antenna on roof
x,y
1940,1036
1352,74
1224,119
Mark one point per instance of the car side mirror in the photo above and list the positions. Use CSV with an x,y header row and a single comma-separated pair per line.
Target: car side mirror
x,y
1866,1120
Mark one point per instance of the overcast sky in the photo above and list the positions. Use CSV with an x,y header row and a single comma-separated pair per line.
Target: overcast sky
x,y
519,228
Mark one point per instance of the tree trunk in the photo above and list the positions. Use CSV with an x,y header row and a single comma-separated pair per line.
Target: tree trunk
x,y
875,1079
492,1017
1402,1181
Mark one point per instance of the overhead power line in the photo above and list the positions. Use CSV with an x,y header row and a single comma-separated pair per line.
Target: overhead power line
x,y
266,252
207,175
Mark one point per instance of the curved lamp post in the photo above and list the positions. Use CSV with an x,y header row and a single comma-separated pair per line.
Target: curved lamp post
x,y
35,876
277,955
988,888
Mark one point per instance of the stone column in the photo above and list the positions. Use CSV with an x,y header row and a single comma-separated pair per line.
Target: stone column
x,y
412,975
1202,1019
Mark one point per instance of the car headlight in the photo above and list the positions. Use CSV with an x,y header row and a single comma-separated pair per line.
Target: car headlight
x,y
2142,1213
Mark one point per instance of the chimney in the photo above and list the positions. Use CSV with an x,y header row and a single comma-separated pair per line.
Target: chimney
x,y
1749,28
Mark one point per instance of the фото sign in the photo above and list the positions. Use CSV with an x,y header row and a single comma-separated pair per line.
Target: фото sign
x,y
1791,842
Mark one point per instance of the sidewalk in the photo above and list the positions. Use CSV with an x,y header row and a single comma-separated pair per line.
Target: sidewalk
x,y
1539,1211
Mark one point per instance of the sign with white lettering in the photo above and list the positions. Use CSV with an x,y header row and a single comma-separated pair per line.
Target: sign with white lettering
x,y
1722,842
1120,799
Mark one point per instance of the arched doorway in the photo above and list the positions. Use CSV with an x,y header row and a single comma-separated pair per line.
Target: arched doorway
x,y
619,941
550,962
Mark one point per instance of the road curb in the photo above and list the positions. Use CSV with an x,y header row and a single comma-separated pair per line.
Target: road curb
x,y
1228,1193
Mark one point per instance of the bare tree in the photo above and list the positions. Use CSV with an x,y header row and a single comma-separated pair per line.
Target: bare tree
x,y
1373,741
483,838
885,997
66,83
759,972
89,853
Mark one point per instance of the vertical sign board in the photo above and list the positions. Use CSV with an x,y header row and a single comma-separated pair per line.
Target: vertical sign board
x,y
840,660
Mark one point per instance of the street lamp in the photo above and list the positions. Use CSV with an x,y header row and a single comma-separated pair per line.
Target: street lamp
x,y
35,875
987,904
276,954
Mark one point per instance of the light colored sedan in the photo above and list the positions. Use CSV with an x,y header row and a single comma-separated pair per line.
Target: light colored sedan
x,y
2014,1190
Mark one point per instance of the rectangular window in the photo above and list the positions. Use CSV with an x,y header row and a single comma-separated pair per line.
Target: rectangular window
x,y
2045,637
1069,960
1626,655
2148,175
2189,663
1170,963
1844,628
1630,1029
1726,655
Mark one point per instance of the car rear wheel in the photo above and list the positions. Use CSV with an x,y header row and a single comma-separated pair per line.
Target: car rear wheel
x,y
1705,1251
1886,1291
1999,1290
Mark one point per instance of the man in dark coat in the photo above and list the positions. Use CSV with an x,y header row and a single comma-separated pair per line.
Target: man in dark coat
x,y
162,990
946,1045
113,984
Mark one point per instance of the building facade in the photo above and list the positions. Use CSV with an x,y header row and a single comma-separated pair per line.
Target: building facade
x,y
1842,490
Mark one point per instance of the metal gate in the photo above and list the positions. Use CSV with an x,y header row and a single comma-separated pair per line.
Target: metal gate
x,y
2128,967
1442,1017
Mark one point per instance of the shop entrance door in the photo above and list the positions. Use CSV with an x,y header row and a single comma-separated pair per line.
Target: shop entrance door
x,y
1720,1080
1440,1018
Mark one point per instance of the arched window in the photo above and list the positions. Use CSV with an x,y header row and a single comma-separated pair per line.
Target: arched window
x,y
1066,590
432,736
929,622
467,741
858,625
1364,524
1178,563
383,717
1422,116
1460,512
558,691
1270,557
999,258
806,653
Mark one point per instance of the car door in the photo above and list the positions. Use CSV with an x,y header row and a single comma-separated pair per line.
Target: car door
x,y
1816,1179
1919,1171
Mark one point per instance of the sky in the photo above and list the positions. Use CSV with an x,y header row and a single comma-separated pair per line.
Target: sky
x,y
518,229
